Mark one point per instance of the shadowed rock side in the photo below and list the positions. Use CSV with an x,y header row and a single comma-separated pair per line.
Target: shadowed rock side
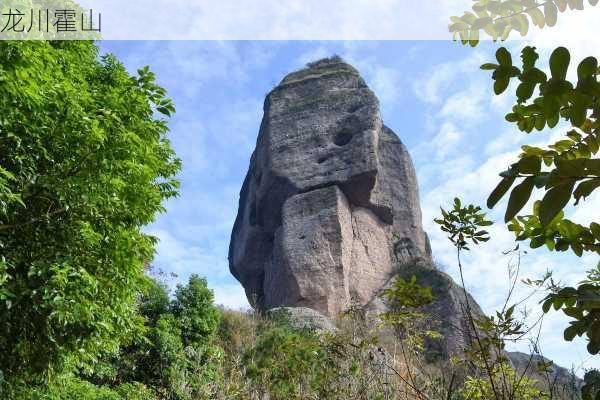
x,y
561,379
446,314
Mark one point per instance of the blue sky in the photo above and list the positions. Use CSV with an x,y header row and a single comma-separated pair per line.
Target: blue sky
x,y
432,94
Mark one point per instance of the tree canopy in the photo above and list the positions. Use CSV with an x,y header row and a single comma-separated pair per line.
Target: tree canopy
x,y
84,165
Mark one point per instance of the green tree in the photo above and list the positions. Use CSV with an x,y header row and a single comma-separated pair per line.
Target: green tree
x,y
517,387
84,164
290,363
194,309
154,301
163,357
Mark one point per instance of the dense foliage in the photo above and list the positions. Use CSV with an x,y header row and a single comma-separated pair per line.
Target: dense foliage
x,y
159,362
166,358
566,170
84,164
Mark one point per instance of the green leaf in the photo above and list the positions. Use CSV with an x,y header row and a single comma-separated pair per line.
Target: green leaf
x,y
571,332
501,84
512,117
540,122
533,75
489,66
537,242
585,188
520,23
569,168
578,113
473,37
504,57
500,191
595,228
559,63
537,17
575,4
525,91
587,68
593,347
530,165
481,22
561,4
518,198
546,305
554,201
551,13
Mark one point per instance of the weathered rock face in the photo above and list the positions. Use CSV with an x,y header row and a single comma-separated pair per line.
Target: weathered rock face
x,y
329,191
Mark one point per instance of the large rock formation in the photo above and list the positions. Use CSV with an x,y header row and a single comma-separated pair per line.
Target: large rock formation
x,y
328,188
329,210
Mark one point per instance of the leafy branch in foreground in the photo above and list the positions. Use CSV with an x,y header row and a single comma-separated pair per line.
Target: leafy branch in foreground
x,y
498,18
567,170
463,224
581,303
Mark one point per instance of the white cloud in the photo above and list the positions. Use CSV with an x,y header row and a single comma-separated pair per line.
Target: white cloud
x,y
466,105
231,296
437,79
386,83
509,139
446,140
178,255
